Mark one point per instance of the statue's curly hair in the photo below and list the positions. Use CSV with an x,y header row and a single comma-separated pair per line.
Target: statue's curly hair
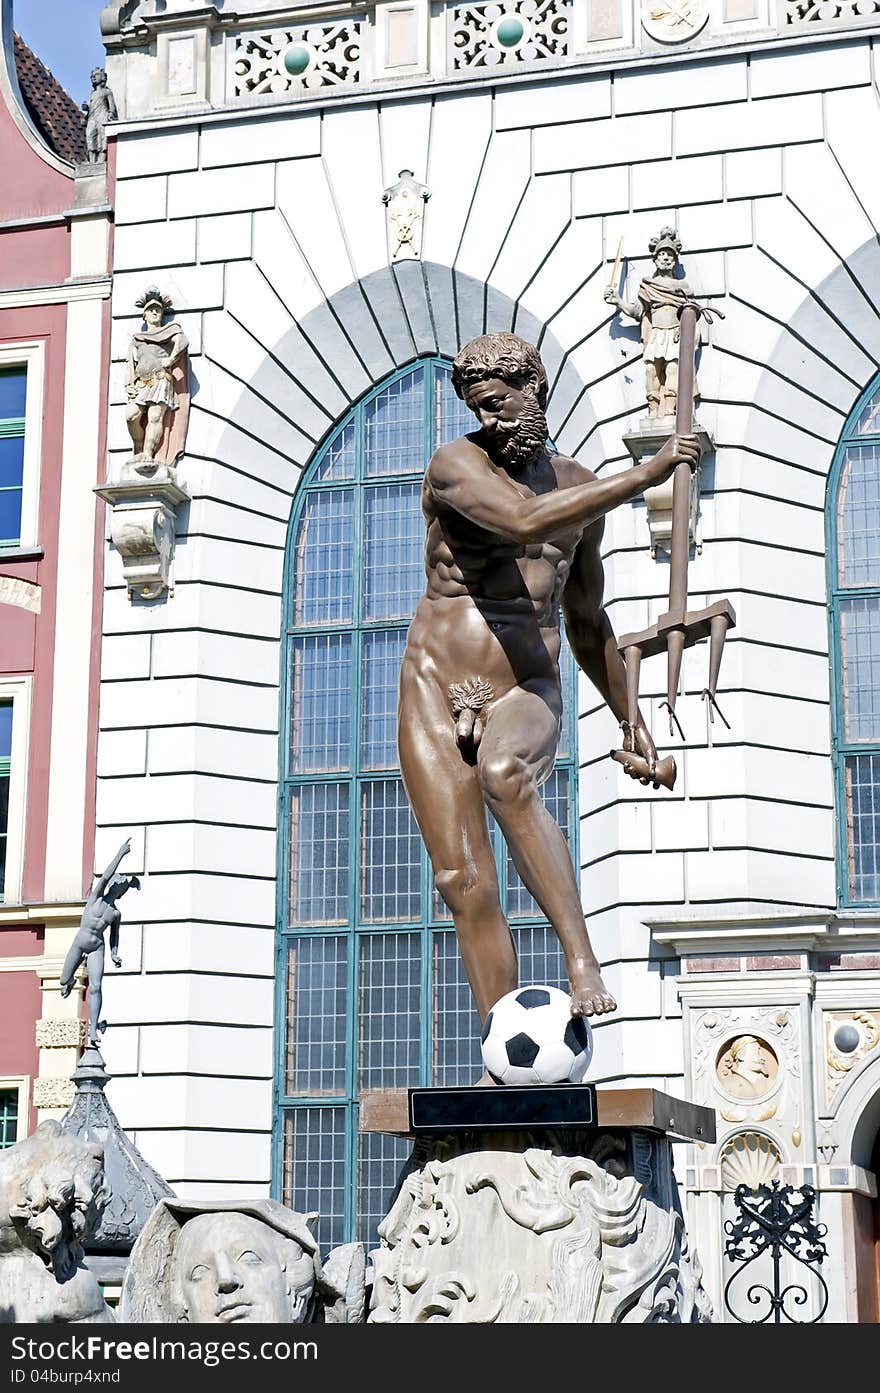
x,y
500,355
153,296
666,237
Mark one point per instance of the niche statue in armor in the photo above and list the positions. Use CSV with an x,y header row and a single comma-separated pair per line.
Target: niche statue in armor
x,y
157,385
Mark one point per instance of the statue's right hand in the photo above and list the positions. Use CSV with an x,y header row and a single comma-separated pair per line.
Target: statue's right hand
x,y
679,449
610,296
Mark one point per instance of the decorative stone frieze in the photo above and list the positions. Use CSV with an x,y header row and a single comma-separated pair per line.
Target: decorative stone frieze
x,y
291,60
60,1034
405,202
508,35
825,14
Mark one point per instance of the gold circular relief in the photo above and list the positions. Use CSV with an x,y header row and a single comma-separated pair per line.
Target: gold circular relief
x,y
747,1068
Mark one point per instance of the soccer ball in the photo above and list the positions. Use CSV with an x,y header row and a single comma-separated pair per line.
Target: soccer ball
x,y
530,1036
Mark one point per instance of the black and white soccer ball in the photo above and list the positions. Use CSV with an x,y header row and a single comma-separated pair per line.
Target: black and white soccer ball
x,y
530,1036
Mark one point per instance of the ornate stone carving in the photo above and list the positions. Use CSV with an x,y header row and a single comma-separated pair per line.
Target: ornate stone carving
x,y
825,14
143,525
747,1068
52,1092
52,1193
175,1269
507,35
745,1064
749,1158
507,1232
21,593
405,203
54,1035
294,60
674,21
849,1036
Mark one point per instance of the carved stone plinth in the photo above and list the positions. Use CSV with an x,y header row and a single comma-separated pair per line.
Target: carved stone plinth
x,y
576,1225
143,521
652,434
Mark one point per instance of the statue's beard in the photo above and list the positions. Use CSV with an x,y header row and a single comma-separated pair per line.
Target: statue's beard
x,y
516,443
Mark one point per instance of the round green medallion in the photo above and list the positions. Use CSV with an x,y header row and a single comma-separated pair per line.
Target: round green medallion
x,y
510,31
297,59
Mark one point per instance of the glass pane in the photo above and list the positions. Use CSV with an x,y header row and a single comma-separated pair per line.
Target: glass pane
x,y
8,1117
314,1169
382,657
569,686
391,855
869,418
858,516
320,703
10,516
317,1001
540,958
339,460
394,551
457,1058
5,729
324,565
11,461
860,668
390,1010
13,393
451,417
394,427
862,781
319,843
380,1162
554,795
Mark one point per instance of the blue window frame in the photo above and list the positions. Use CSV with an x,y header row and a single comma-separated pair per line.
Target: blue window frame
x,y
853,536
13,391
370,988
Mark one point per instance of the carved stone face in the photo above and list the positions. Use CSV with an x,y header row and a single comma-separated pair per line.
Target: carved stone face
x,y
510,418
747,1069
665,260
233,1268
153,316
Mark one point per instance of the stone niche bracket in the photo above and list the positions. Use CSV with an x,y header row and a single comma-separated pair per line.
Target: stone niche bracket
x,y
651,436
143,523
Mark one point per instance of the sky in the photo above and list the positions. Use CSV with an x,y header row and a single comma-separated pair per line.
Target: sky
x,y
66,36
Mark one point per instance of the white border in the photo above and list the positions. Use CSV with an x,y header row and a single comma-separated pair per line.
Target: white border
x,y
19,689
30,355
22,1083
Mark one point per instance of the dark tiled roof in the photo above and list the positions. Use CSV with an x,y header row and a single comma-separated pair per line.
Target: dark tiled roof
x,y
55,114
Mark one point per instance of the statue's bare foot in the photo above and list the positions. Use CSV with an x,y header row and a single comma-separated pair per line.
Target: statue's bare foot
x,y
589,995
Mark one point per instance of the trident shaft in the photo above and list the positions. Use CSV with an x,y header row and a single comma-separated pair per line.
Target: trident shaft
x,y
679,627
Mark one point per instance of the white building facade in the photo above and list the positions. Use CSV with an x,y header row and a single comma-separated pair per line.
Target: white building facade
x,y
288,949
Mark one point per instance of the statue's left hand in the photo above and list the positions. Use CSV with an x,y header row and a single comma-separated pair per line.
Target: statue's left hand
x,y
117,961
640,742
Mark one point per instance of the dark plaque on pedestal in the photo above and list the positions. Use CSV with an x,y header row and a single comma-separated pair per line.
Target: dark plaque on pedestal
x,y
541,1107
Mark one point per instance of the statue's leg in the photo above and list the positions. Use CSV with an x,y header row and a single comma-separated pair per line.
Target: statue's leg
x,y
71,965
652,389
448,806
95,964
516,754
671,386
155,429
134,419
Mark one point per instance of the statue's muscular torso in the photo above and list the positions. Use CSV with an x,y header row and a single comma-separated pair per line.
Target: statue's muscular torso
x,y
491,605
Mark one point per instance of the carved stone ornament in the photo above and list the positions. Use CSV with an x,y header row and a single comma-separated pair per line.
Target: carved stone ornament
x,y
143,522
292,60
571,1229
849,1036
747,1068
52,1194
514,34
674,21
60,1034
405,202
746,1065
749,1159
175,1267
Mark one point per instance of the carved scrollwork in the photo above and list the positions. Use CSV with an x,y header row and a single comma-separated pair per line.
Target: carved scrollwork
x,y
290,60
514,34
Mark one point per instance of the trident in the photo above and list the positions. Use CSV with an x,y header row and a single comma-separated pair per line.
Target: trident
x,y
679,627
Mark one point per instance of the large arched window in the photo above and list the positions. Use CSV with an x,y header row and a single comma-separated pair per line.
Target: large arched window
x,y
371,993
854,560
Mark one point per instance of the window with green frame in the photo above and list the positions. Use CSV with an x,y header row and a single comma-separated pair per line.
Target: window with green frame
x,y
13,391
5,757
853,518
370,989
8,1117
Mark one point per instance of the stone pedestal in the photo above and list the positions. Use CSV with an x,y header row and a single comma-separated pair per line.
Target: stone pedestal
x,y
143,520
652,434
576,1224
